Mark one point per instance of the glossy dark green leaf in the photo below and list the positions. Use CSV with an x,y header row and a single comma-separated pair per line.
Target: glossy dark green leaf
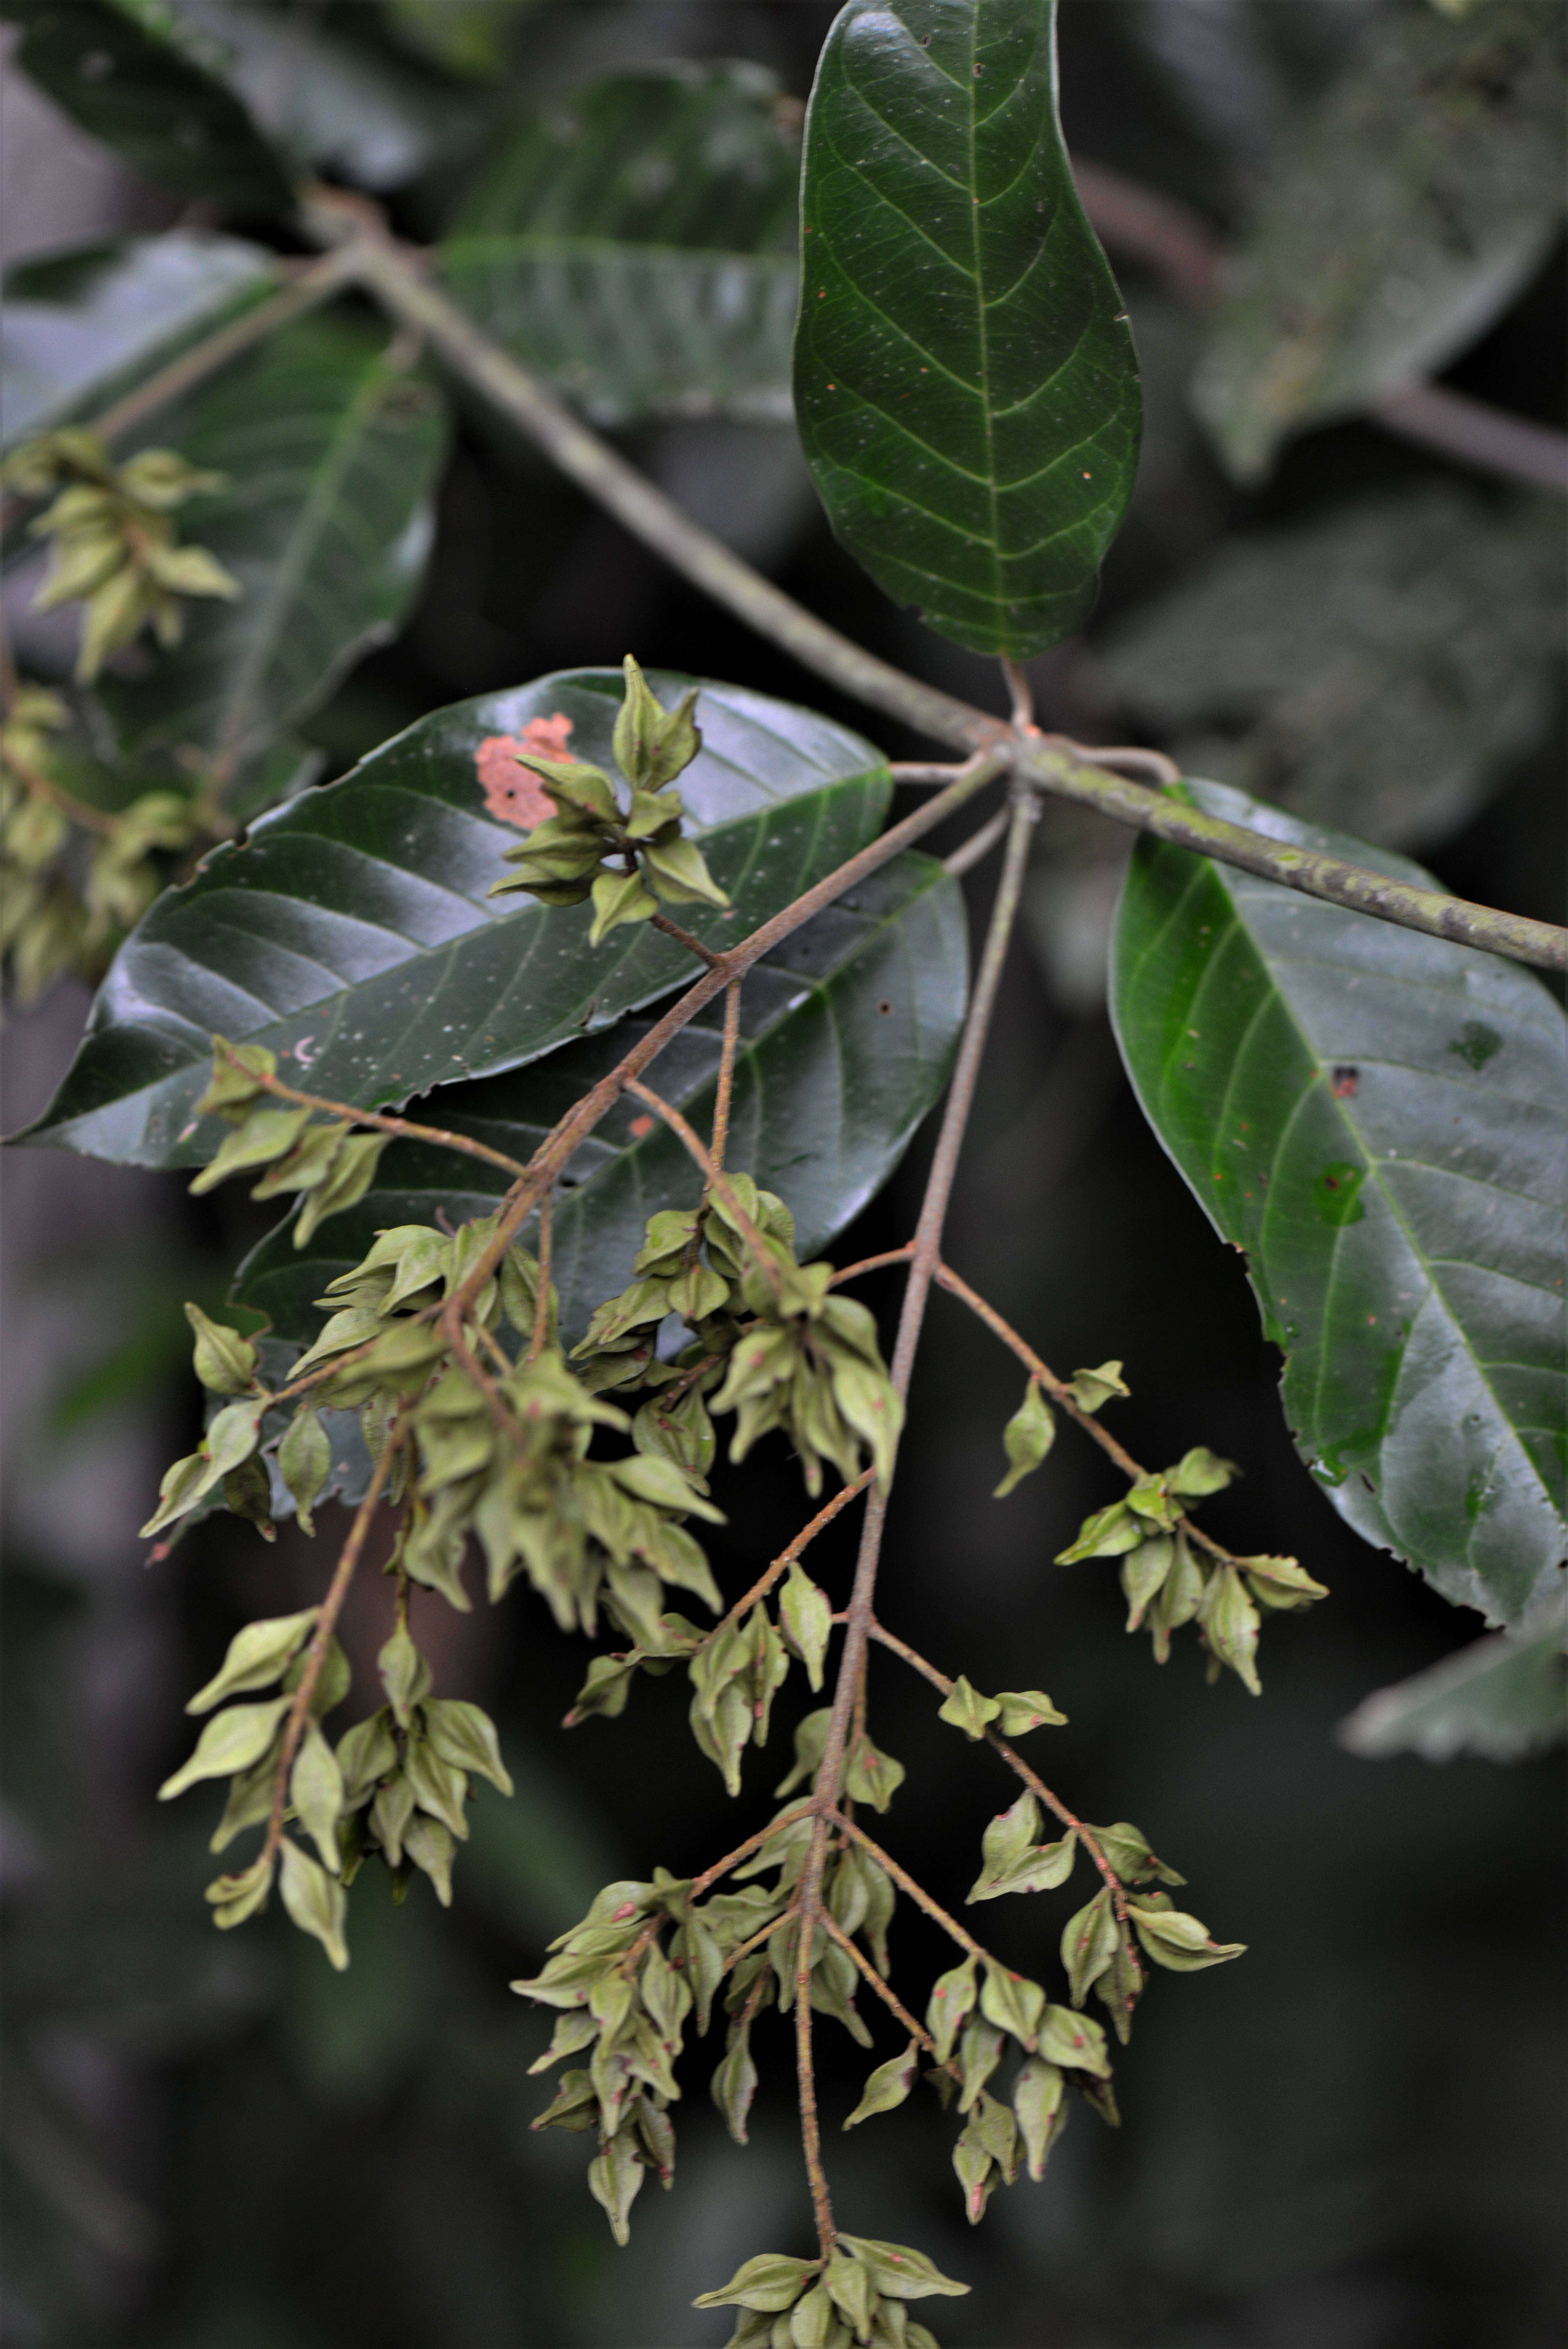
x,y
636,243
330,449
1401,220
80,326
1378,667
132,75
1375,1119
964,378
848,1034
354,933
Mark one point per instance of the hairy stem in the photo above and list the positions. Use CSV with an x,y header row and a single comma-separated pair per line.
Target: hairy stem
x,y
847,1691
726,1071
542,1295
888,1995
321,1638
685,939
787,1558
1009,1754
909,1884
873,1264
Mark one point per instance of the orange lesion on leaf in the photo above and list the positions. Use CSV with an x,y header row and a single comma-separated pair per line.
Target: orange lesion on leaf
x,y
513,795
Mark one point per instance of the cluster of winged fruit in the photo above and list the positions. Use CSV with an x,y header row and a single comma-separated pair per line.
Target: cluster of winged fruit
x,y
73,876
630,861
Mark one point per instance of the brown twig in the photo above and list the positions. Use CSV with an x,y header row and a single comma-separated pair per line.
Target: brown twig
x,y
873,1264
716,1179
542,1294
685,939
1014,1760
315,283
787,1558
320,1639
916,1890
726,1071
556,1149
405,1128
90,819
806,2083
847,1691
399,282
1060,1393
888,1995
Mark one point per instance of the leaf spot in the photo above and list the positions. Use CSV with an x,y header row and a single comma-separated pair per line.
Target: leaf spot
x,y
513,795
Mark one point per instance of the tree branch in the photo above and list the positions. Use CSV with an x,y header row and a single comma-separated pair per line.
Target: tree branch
x,y
398,282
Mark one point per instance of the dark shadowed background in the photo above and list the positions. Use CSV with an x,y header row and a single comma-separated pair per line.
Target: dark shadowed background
x,y
1353,2139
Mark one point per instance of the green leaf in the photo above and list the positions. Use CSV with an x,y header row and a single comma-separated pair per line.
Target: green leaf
x,y
329,450
134,76
636,243
231,1740
900,2273
734,2085
1027,1438
1127,1852
464,1736
1501,1699
1372,1116
1074,2042
356,928
1178,1941
888,2085
1037,2094
1012,2002
1406,214
315,1901
806,1619
86,324
1380,666
257,1656
1027,1709
1089,1944
849,2288
952,1997
965,1708
770,2281
965,383
315,1790
848,1034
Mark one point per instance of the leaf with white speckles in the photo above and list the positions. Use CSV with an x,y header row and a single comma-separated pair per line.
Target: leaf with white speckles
x,y
353,933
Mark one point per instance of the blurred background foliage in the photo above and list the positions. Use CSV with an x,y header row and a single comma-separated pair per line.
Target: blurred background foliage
x,y
1352,2139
